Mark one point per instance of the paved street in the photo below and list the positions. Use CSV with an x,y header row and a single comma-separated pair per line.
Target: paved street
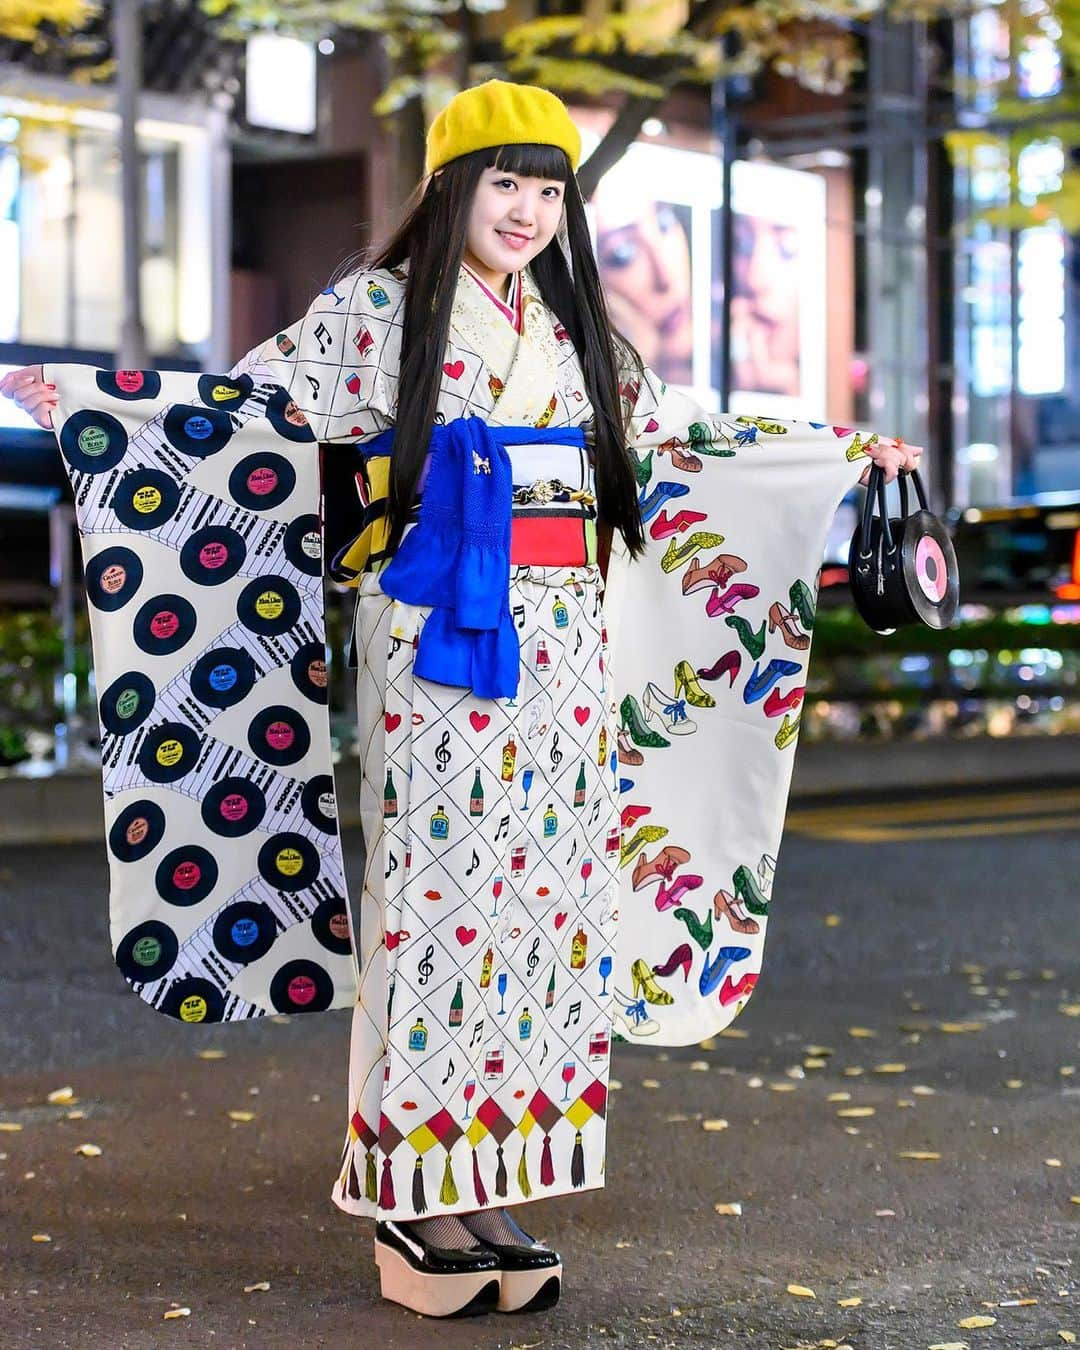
x,y
923,961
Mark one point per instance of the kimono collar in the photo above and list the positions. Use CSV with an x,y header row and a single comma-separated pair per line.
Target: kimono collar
x,y
456,558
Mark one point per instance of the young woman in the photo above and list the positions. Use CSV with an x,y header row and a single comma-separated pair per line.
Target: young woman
x,y
506,434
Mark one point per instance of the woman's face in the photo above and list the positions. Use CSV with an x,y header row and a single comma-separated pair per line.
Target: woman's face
x,y
645,267
513,218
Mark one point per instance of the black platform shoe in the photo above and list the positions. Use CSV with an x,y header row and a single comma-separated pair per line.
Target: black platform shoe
x,y
531,1273
435,1281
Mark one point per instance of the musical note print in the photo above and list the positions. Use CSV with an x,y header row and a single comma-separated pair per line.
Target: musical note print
x,y
574,1014
315,386
545,1054
391,865
426,968
533,959
503,832
573,852
473,864
443,754
396,645
477,1029
596,810
450,1071
319,334
577,642
518,613
556,754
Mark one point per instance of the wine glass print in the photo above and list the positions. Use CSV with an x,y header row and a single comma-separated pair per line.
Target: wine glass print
x,y
586,873
496,891
526,783
470,1093
500,984
605,971
569,1069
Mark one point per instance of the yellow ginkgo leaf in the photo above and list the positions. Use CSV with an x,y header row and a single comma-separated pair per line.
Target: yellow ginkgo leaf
x,y
919,1155
801,1291
89,1150
890,1068
979,1320
40,1237
838,1097
861,1033
175,1312
211,1054
261,1288
714,1125
950,1345
64,1096
242,1116
958,1028
848,1302
1068,1337
733,1208
10,1126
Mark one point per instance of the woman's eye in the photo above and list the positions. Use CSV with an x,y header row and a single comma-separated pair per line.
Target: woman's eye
x,y
553,192
506,182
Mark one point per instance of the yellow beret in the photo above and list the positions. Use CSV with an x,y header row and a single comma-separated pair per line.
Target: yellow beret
x,y
500,113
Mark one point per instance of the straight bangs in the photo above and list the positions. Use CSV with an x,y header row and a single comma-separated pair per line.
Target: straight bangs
x,y
532,161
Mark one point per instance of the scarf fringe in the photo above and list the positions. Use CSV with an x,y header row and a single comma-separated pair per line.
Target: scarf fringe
x,y
448,1195
547,1167
523,1175
478,1185
386,1190
577,1162
419,1202
500,1176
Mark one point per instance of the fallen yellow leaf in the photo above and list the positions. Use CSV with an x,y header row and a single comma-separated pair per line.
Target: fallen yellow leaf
x,y
733,1208
260,1288
1014,1082
1074,1199
833,921
10,1126
699,1066
979,1320
1052,1162
890,1068
884,1213
814,1062
921,1090
1070,1009
801,1291
713,1125
707,1044
1067,1336
40,1237
734,1034
855,1112
64,1096
816,1050
838,1097
853,1071
861,1033
175,1312
211,1054
649,1083
950,1345
919,1155
242,1116
74,1115
89,1150
957,1028
781,1087
848,1302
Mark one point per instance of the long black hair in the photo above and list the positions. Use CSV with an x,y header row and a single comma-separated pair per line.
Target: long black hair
x,y
432,237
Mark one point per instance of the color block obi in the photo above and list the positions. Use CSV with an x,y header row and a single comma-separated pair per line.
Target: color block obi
x,y
491,498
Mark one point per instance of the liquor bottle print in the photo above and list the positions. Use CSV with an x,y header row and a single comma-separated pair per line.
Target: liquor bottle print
x,y
524,1025
476,796
457,1008
377,295
578,948
579,786
551,822
440,823
389,808
549,997
543,660
601,752
509,756
418,1036
485,969
560,613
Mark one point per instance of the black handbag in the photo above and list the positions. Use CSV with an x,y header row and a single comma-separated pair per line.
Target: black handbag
x,y
902,570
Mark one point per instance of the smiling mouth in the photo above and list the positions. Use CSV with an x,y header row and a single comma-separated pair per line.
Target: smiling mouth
x,y
513,237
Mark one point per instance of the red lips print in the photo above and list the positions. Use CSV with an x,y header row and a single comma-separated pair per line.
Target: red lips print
x,y
560,919
392,721
478,721
541,891
433,895
408,1106
455,369
465,935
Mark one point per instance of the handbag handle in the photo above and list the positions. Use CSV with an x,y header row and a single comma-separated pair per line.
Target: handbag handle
x,y
875,489
920,491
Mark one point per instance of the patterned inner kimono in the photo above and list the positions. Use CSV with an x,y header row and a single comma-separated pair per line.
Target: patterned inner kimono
x,y
632,786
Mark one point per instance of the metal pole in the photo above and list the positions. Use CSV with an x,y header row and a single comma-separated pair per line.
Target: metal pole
x,y
127,48
219,352
723,129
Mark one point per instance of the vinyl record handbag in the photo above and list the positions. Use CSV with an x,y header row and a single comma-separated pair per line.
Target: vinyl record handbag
x,y
903,570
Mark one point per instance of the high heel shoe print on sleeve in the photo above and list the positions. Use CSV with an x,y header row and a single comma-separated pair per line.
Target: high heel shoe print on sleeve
x,y
781,617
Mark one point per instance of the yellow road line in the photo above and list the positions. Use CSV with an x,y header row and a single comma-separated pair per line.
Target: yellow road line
x,y
869,834
941,808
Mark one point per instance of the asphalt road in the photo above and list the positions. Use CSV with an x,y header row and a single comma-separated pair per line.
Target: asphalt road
x,y
938,938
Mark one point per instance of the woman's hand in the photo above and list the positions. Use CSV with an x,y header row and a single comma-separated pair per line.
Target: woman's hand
x,y
28,388
893,455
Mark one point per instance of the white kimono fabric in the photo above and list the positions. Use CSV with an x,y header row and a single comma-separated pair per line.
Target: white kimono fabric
x,y
478,1070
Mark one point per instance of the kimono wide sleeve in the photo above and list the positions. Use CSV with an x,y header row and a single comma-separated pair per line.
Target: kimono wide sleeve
x,y
710,642
197,500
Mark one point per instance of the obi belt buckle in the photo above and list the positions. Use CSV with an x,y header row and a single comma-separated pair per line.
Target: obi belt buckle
x,y
546,490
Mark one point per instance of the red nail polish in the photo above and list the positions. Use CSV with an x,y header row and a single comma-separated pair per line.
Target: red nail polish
x,y
50,386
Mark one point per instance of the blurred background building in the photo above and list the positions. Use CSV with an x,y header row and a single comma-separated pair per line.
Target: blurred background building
x,y
868,227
